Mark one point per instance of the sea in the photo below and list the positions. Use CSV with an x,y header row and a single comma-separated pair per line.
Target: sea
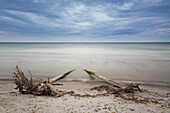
x,y
143,61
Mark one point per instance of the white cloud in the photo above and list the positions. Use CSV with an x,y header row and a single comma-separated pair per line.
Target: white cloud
x,y
75,16
9,19
76,13
37,1
151,1
35,18
88,19
84,24
100,17
2,32
125,6
157,31
79,17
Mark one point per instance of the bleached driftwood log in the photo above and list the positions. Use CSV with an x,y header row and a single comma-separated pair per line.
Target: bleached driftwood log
x,y
43,87
127,88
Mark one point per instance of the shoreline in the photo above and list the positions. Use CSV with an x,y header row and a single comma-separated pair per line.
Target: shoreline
x,y
142,82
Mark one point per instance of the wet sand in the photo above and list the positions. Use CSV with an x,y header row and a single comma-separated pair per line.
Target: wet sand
x,y
11,101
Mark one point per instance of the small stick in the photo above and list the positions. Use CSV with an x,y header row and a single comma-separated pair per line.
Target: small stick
x,y
48,80
30,76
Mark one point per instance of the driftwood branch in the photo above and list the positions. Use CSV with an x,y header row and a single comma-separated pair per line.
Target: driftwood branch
x,y
60,76
127,88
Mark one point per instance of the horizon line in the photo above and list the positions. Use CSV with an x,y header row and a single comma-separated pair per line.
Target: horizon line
x,y
81,41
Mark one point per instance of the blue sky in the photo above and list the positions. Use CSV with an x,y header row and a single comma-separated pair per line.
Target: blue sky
x,y
84,20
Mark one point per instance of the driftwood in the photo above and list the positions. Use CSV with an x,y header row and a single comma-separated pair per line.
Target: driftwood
x,y
43,87
60,77
46,87
122,87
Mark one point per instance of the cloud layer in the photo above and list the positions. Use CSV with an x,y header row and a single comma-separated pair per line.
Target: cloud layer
x,y
86,20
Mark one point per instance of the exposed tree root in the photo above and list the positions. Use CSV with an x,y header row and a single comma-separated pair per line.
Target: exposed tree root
x,y
43,87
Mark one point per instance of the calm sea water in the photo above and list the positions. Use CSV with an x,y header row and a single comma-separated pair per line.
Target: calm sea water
x,y
134,61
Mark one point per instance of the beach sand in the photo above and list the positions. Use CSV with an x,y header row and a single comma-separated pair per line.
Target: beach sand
x,y
11,101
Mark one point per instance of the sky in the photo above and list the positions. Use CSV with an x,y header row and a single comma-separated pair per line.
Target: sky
x,y
84,20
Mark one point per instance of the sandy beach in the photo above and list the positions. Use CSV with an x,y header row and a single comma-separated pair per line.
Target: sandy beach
x,y
153,99
84,56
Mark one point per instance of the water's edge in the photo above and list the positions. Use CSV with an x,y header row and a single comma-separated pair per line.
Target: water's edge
x,y
142,82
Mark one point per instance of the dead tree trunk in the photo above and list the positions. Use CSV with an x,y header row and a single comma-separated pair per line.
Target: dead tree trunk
x,y
127,88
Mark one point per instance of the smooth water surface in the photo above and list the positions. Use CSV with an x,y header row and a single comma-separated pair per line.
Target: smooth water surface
x,y
134,61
